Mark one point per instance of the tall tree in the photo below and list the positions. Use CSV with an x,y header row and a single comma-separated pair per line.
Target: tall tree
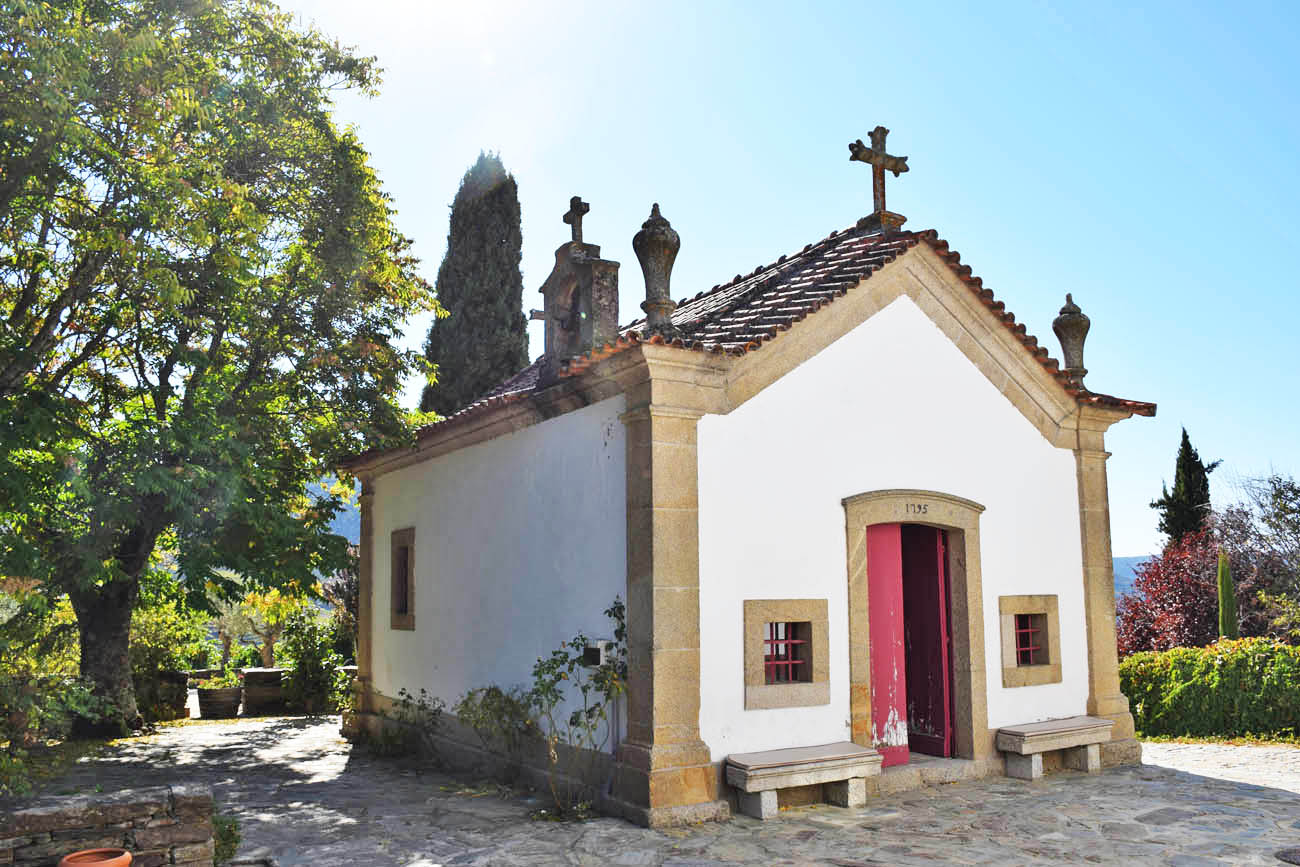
x,y
482,341
1227,598
1275,501
201,292
1185,509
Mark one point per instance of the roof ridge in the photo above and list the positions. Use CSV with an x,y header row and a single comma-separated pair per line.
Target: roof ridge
x,y
773,315
785,259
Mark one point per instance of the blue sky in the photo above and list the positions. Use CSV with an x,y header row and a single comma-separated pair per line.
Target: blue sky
x,y
1143,159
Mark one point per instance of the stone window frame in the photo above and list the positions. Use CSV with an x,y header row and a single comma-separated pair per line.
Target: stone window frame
x,y
960,518
760,695
1013,673
403,538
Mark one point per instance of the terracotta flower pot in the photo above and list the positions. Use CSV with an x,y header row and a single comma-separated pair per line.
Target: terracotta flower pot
x,y
219,703
98,857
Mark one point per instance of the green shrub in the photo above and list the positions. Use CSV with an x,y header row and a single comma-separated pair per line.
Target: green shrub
x,y
342,591
574,740
15,778
418,720
312,682
1234,688
224,679
165,637
38,635
40,694
225,838
33,710
246,656
500,717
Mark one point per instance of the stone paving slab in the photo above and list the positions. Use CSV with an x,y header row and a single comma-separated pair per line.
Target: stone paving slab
x,y
305,796
1277,767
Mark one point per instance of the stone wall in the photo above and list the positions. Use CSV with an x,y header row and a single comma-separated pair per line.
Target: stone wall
x,y
164,825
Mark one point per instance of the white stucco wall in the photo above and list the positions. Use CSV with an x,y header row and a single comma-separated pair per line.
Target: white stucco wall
x,y
892,404
520,543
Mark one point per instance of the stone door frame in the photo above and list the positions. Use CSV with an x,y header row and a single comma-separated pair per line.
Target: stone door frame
x,y
960,518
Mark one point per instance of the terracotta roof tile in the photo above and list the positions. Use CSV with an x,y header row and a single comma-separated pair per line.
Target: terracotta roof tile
x,y
752,309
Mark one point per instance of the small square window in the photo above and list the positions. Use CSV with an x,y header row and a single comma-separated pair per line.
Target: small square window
x,y
787,652
787,663
1031,639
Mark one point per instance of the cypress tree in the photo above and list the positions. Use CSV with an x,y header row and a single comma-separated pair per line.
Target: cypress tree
x,y
482,341
1185,509
1227,599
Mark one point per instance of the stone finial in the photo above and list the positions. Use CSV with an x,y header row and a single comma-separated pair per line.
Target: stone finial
x,y
1071,329
656,247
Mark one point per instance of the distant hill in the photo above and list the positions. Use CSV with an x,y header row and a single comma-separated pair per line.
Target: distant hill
x,y
1125,572
347,523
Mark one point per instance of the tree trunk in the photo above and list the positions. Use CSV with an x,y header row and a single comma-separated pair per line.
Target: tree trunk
x,y
104,621
268,653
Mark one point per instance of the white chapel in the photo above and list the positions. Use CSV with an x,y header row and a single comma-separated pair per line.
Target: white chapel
x,y
857,512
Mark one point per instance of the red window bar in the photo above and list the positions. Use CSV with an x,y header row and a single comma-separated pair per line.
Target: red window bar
x,y
780,654
1028,650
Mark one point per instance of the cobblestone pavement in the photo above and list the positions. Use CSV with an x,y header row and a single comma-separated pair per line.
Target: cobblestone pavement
x,y
304,796
1276,767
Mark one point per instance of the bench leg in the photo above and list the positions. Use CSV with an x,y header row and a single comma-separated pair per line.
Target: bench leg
x,y
1086,758
760,805
1028,767
847,793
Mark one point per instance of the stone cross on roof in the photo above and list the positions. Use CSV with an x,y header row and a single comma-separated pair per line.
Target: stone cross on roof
x,y
577,208
880,163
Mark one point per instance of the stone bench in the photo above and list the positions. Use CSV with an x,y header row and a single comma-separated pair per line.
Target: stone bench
x,y
1078,736
843,768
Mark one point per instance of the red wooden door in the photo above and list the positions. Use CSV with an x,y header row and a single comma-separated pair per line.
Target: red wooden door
x,y
885,642
925,627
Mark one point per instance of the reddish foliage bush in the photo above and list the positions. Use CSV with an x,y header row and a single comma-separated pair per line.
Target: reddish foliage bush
x,y
1174,601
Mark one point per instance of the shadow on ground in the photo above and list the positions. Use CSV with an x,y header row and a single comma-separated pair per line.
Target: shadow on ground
x,y
305,796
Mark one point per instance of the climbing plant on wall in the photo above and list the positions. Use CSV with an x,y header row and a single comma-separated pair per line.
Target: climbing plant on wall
x,y
577,739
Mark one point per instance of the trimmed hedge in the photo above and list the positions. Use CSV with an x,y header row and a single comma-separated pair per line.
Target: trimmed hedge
x,y
1234,688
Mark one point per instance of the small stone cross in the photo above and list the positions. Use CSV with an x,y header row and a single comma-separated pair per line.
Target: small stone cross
x,y
880,163
577,208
